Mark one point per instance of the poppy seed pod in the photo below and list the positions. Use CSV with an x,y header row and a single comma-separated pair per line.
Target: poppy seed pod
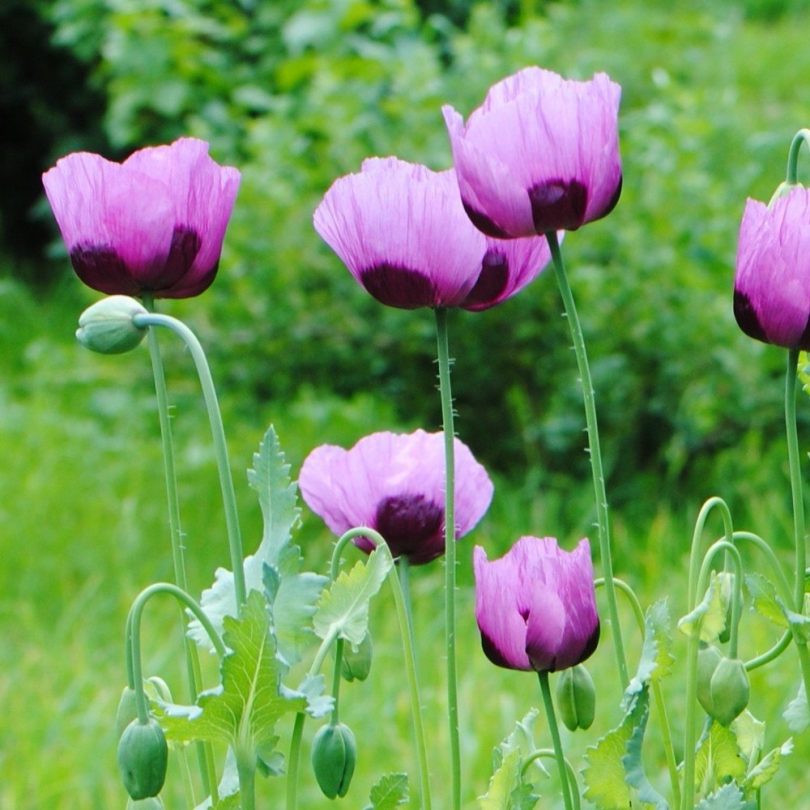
x,y
394,484
334,752
153,224
540,154
143,756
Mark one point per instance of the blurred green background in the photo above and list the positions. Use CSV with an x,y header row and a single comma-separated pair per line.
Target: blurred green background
x,y
295,94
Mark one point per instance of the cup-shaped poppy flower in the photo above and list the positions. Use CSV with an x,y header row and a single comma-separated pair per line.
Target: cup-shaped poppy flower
x,y
541,153
394,483
153,224
536,605
401,230
772,281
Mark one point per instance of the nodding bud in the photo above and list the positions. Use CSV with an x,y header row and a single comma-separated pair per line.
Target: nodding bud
x,y
707,660
108,325
151,803
334,753
356,664
127,710
143,755
729,689
576,698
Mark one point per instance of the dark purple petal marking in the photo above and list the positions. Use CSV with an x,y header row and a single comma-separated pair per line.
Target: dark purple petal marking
x,y
399,286
184,248
412,526
611,204
493,653
484,223
558,205
101,268
590,644
747,318
492,281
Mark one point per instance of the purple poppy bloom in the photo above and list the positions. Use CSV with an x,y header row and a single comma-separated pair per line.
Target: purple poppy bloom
x,y
394,483
536,605
401,230
541,154
153,224
772,282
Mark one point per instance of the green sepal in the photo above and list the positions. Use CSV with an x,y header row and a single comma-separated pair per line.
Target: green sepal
x,y
143,756
334,754
576,698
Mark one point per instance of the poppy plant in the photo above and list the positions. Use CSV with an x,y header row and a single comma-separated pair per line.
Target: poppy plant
x,y
541,153
152,225
401,230
536,605
772,281
394,483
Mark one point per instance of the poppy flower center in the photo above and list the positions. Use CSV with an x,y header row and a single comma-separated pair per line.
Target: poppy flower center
x,y
412,526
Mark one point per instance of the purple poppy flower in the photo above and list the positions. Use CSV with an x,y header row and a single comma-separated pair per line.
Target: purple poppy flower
x,y
394,483
536,605
153,224
401,230
772,282
541,154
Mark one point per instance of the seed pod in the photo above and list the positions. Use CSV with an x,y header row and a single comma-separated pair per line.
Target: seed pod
x,y
334,752
143,755
356,664
107,325
729,690
576,698
708,659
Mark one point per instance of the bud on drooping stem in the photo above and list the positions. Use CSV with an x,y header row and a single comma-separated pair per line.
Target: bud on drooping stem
x,y
143,755
334,753
356,664
107,326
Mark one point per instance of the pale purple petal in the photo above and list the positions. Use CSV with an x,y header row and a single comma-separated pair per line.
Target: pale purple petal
x,y
772,281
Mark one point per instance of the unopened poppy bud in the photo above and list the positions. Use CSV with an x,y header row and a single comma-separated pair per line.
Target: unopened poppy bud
x,y
143,755
356,664
127,710
150,803
729,690
708,659
576,698
333,756
107,326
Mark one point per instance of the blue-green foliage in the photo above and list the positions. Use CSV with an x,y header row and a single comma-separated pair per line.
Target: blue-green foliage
x,y
298,93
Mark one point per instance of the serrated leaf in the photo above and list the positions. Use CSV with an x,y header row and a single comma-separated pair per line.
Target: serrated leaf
x,y
764,599
750,734
728,797
797,714
243,710
604,774
502,782
767,767
708,618
632,762
718,758
521,739
656,658
388,792
342,610
294,594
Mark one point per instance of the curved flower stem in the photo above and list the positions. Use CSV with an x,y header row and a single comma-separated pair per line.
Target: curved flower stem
x,y
134,665
336,678
795,478
548,753
772,654
293,760
443,353
205,751
594,451
548,703
694,555
658,696
690,725
792,174
220,445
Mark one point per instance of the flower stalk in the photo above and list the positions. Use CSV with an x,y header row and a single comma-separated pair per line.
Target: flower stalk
x,y
548,704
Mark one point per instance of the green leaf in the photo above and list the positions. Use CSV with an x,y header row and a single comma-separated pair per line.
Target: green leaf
x,y
656,657
708,618
750,734
243,710
718,758
633,766
729,797
342,610
767,767
502,783
764,599
604,774
293,595
797,714
388,792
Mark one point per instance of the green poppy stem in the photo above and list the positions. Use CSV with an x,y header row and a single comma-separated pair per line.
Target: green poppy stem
x,y
548,704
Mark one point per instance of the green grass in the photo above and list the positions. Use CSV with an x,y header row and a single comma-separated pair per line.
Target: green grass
x,y
83,529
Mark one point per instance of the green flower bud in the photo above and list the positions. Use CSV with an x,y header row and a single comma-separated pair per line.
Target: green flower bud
x,y
708,659
729,690
356,664
107,326
127,710
150,803
576,698
333,756
143,755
